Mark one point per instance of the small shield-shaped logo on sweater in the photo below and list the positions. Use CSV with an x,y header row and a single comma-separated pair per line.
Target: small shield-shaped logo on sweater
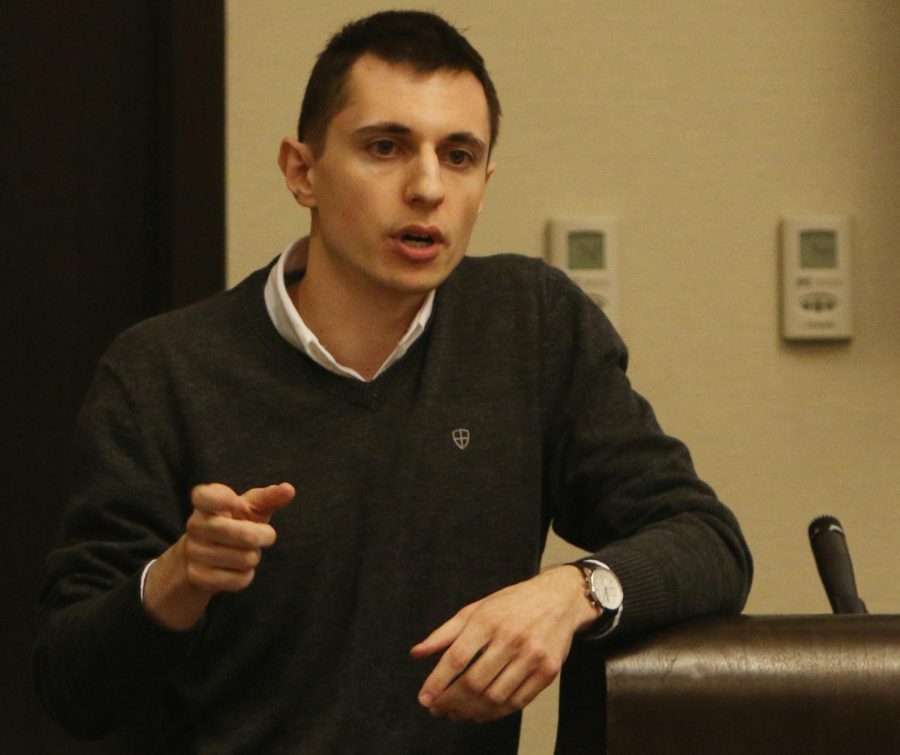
x,y
461,437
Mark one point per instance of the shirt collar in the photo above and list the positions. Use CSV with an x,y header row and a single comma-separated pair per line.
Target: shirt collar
x,y
294,330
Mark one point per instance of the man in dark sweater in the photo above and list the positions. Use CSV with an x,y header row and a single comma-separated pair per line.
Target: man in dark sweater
x,y
408,423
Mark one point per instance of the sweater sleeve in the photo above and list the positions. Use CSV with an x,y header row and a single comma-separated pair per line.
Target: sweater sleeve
x,y
98,655
621,488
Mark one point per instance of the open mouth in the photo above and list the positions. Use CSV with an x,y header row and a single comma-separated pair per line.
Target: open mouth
x,y
416,240
414,236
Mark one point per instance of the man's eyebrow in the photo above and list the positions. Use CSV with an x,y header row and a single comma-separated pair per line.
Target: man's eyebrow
x,y
383,127
468,138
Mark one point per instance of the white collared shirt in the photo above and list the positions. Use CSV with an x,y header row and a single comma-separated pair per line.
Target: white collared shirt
x,y
290,325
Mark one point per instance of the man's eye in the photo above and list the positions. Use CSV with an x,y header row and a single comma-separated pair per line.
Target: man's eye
x,y
383,147
460,157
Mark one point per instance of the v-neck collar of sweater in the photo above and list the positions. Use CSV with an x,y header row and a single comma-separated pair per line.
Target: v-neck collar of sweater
x,y
368,394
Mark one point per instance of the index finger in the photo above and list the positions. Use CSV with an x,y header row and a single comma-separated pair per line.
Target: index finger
x,y
256,504
262,502
442,637
462,653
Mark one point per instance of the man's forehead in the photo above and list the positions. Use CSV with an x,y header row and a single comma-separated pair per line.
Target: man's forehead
x,y
388,91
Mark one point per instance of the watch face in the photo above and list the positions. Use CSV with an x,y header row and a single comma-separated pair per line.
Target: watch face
x,y
606,588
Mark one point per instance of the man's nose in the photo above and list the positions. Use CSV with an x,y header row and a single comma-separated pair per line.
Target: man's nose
x,y
425,184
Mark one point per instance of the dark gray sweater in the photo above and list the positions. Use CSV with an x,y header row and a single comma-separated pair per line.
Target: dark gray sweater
x,y
394,527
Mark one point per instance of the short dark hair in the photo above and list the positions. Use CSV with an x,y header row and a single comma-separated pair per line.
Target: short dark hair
x,y
423,40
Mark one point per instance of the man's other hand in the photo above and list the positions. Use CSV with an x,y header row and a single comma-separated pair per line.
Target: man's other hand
x,y
219,551
501,651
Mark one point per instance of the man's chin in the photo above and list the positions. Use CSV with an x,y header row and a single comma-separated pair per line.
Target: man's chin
x,y
419,282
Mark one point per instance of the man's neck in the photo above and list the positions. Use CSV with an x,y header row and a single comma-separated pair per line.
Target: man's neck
x,y
358,322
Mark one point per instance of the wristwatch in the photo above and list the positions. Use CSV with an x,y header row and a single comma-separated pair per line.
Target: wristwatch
x,y
604,591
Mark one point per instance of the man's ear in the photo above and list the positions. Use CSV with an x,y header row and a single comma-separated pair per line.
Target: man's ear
x,y
492,166
296,161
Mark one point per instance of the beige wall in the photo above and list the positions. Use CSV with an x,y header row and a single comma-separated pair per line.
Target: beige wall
x,y
699,124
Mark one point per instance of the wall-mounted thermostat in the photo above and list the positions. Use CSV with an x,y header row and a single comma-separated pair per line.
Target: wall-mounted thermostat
x,y
815,278
586,249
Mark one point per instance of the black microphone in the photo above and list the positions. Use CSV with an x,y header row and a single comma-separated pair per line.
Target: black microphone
x,y
829,546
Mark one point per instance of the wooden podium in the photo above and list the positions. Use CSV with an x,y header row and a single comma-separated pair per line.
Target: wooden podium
x,y
760,685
